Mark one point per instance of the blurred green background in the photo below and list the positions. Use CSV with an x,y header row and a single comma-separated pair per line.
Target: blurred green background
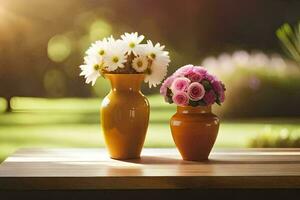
x,y
44,102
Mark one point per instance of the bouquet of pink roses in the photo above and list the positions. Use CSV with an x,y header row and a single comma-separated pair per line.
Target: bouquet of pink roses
x,y
193,86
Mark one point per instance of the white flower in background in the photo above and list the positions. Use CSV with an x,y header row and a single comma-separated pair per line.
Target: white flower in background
x,y
115,55
140,63
211,63
155,74
225,63
91,69
278,63
241,58
259,60
132,42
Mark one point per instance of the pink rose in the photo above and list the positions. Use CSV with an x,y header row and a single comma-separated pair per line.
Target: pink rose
x,y
217,86
200,70
210,77
180,84
185,86
219,89
196,91
181,98
182,71
209,97
195,76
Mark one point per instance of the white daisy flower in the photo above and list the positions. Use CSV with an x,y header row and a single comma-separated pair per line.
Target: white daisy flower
x,y
160,61
132,42
140,63
155,53
111,39
91,69
98,48
115,55
155,74
110,54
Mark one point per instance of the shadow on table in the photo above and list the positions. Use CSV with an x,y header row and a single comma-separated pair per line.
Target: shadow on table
x,y
148,160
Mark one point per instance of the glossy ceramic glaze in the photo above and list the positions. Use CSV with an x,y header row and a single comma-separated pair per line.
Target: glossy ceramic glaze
x,y
194,131
125,116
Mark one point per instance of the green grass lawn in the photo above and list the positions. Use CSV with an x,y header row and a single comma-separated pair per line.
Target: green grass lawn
x,y
75,123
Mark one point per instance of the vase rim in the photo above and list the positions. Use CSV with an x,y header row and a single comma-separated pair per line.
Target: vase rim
x,y
194,109
122,74
125,82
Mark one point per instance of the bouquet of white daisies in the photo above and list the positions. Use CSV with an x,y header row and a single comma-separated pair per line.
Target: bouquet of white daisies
x,y
126,56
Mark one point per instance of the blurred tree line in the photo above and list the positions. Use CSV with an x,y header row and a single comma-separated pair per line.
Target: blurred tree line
x,y
42,42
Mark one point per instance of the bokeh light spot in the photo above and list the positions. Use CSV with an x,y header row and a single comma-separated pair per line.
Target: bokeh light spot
x,y
59,48
3,105
99,29
54,83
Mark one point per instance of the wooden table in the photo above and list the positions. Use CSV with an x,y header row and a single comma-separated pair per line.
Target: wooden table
x,y
158,169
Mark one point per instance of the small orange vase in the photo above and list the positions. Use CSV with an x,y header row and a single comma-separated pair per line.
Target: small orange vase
x,y
194,131
125,116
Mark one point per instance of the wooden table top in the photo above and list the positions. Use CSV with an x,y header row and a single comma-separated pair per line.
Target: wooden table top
x,y
85,169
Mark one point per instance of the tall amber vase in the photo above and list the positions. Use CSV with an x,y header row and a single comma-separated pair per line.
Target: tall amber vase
x,y
125,116
194,131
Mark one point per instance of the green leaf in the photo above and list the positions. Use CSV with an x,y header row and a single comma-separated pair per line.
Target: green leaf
x,y
168,97
201,103
218,101
193,103
206,85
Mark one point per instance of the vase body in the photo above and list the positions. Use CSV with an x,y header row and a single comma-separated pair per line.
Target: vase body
x,y
194,131
125,116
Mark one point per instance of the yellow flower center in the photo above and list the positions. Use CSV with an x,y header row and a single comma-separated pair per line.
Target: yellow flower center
x,y
115,59
101,52
139,63
132,45
153,55
96,67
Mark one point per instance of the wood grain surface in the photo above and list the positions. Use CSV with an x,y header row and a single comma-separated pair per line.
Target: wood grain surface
x,y
89,169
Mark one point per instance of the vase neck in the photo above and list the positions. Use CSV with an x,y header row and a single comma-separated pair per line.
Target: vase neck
x,y
191,109
125,82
